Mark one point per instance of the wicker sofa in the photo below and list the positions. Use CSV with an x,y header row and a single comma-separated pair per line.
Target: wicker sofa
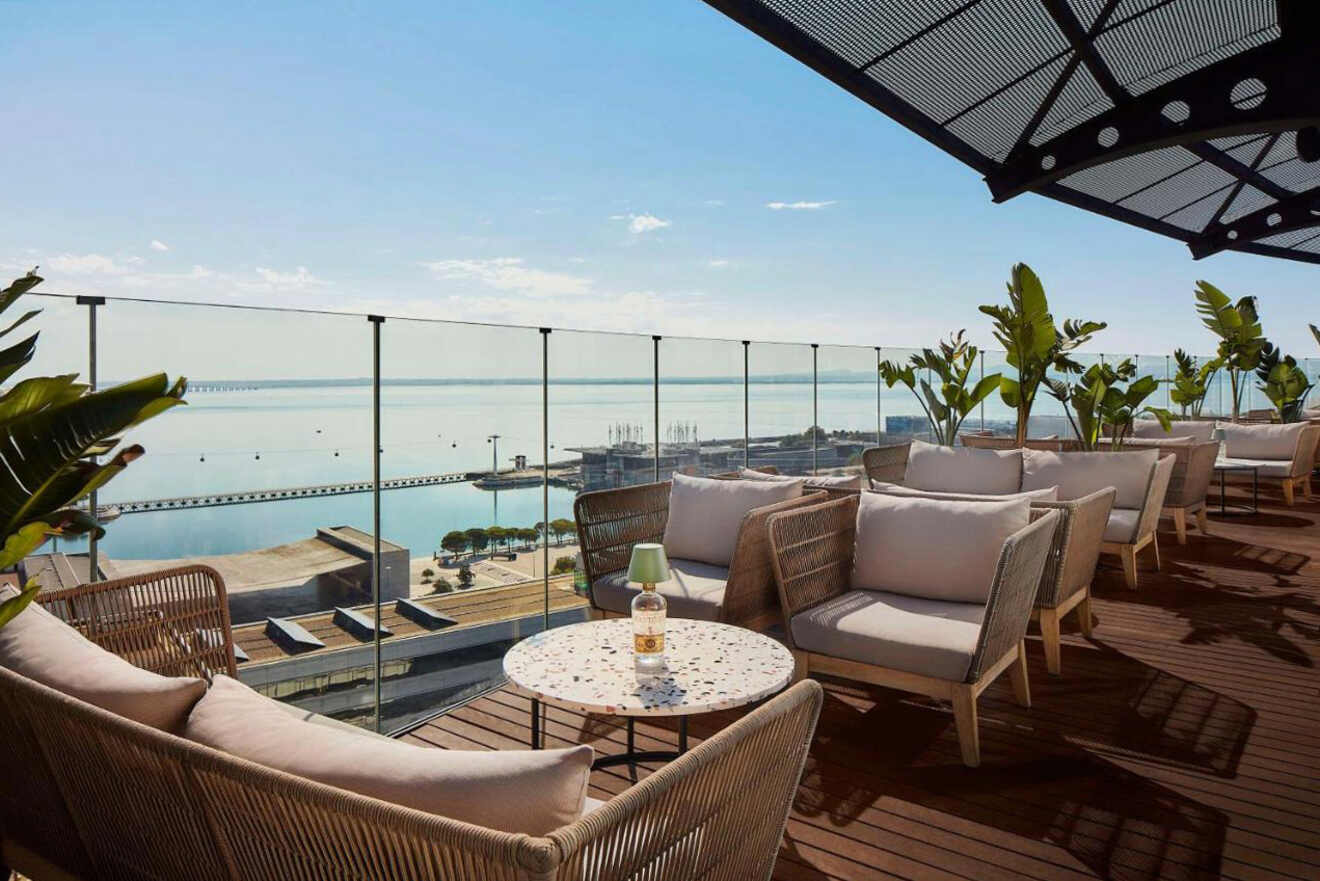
x,y
1281,452
611,521
1189,481
90,794
946,648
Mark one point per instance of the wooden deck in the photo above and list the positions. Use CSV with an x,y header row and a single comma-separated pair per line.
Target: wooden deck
x,y
1181,742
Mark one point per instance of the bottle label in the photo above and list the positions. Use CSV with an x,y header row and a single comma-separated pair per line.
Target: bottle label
x,y
648,632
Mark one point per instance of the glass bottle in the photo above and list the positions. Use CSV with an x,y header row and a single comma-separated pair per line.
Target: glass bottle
x,y
648,619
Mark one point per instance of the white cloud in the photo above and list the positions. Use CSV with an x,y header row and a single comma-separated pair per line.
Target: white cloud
x,y
274,281
715,203
577,259
641,223
510,274
717,263
158,245
85,264
799,206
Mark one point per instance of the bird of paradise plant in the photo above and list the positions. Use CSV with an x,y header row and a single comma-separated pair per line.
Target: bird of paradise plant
x,y
953,363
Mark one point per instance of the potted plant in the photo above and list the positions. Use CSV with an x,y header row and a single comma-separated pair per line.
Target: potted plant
x,y
1283,382
51,427
1032,343
1107,396
953,363
1191,382
1241,341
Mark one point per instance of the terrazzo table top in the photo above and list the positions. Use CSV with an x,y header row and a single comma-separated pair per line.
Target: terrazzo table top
x,y
589,667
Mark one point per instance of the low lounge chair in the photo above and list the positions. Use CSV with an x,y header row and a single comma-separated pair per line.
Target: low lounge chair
x,y
1282,452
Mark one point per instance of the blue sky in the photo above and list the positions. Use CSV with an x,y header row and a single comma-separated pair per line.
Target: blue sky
x,y
642,166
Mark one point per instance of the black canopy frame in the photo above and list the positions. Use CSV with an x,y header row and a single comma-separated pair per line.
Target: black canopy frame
x,y
1195,119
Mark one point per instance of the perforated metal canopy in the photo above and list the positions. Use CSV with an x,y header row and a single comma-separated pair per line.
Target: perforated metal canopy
x,y
1195,119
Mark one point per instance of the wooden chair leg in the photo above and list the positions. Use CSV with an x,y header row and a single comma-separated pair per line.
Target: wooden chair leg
x,y
1017,672
800,667
1049,637
1288,498
964,719
1084,613
1202,520
1128,553
1180,524
1155,549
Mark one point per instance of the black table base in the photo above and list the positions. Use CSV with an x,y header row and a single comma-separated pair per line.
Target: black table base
x,y
1227,510
631,756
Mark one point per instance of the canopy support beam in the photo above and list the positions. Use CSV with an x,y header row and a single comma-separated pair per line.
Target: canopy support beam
x,y
1298,211
1290,101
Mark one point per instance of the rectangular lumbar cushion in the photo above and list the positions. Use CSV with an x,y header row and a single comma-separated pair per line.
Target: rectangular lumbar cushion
x,y
40,646
1080,474
1261,441
963,469
1200,429
1048,494
814,481
531,791
938,549
705,513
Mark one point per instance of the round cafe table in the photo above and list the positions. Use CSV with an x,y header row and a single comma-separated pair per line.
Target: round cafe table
x,y
589,668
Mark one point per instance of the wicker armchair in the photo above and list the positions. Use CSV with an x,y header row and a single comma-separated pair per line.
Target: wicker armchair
x,y
887,463
89,794
174,622
813,551
611,521
1189,481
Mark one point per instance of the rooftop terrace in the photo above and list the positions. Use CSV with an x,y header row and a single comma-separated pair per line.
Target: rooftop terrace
x,y
1181,741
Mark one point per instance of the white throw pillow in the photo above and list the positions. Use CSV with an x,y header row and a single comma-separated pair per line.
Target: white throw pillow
x,y
1048,494
705,513
963,469
1262,441
40,646
932,548
1200,429
814,481
531,791
1080,474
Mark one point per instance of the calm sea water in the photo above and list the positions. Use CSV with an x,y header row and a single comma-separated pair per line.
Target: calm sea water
x,y
280,437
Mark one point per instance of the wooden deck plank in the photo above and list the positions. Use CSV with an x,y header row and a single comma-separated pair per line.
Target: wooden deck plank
x,y
1182,740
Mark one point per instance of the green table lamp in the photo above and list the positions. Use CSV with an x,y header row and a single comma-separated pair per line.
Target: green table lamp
x,y
648,567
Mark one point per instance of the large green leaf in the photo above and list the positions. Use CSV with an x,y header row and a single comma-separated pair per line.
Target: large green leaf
x,y
41,450
18,288
34,394
22,542
11,607
14,357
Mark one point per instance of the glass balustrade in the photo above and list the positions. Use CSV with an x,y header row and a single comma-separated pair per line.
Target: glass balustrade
x,y
340,470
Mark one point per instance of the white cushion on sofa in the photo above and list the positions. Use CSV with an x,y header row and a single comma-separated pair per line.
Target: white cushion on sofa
x,y
963,469
1261,441
531,791
705,513
1048,494
1264,467
1122,525
932,548
928,637
40,646
1200,429
814,481
1080,474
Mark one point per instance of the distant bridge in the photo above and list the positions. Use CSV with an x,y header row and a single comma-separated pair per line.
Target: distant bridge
x,y
249,497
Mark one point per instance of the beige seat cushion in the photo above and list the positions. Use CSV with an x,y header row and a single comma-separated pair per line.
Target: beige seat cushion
x,y
1122,525
696,590
1201,430
1048,494
814,481
40,646
938,549
326,721
1277,442
705,513
532,791
1264,467
963,469
929,637
1080,474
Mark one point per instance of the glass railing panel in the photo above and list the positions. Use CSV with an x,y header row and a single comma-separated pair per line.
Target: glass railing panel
x,y
1000,418
701,406
848,406
902,416
265,475
462,444
780,408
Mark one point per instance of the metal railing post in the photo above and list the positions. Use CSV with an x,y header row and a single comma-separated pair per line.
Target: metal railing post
x,y
545,476
93,552
747,428
376,322
981,406
655,415
815,414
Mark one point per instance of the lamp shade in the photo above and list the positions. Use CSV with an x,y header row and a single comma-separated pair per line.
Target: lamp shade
x,y
649,565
